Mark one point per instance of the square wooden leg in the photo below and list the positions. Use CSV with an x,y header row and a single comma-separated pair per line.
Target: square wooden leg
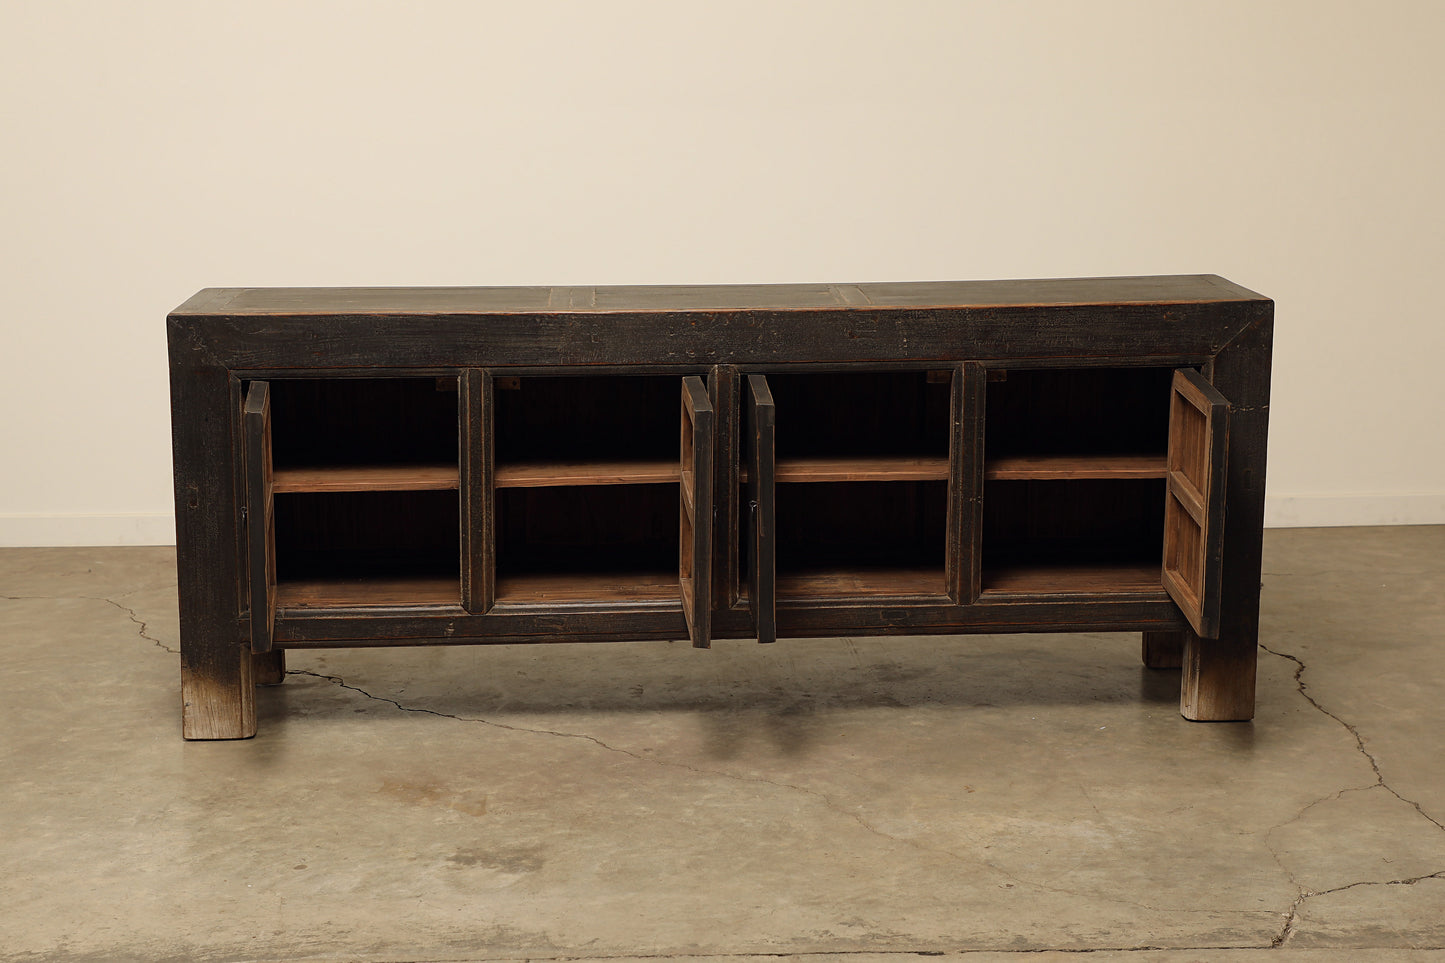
x,y
1163,650
218,698
269,668
1218,679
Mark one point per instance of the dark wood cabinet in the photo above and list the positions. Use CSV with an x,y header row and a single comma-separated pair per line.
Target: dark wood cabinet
x,y
381,466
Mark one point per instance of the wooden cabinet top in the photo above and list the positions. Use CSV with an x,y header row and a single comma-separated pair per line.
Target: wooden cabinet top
x,y
401,301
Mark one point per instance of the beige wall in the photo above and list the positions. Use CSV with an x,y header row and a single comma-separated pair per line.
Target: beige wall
x,y
150,149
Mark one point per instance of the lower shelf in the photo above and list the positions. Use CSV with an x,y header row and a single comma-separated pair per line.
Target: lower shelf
x,y
1091,579
854,582
542,587
349,592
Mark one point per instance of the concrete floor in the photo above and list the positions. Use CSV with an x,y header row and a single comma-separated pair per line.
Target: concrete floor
x,y
1009,798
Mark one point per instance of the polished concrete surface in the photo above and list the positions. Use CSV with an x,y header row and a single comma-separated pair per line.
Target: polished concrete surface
x,y
995,798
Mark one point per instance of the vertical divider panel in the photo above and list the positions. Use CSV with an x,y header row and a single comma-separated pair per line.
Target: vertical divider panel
x,y
695,523
260,515
760,444
964,563
724,388
478,494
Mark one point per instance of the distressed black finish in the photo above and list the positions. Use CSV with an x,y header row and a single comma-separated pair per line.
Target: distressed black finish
x,y
725,336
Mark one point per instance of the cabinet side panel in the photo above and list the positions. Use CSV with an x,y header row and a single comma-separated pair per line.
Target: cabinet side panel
x,y
216,682
1219,674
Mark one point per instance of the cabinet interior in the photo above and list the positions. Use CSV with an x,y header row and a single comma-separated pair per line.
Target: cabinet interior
x,y
1074,480
365,475
586,476
862,464
587,473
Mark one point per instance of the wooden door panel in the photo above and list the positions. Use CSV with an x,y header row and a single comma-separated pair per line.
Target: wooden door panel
x,y
260,515
695,507
759,442
1194,502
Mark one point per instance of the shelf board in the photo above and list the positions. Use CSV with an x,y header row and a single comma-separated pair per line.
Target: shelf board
x,y
545,587
551,474
367,478
350,592
1021,467
1082,579
859,468
855,582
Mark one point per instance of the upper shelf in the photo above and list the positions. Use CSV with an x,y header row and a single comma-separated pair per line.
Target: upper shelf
x,y
367,478
1021,467
549,474
877,468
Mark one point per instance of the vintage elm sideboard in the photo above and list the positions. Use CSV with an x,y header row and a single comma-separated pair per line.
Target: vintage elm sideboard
x,y
395,466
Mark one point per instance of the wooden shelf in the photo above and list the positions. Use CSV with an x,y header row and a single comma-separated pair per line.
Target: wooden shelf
x,y
860,468
350,592
1021,467
551,474
1082,579
851,583
545,587
366,478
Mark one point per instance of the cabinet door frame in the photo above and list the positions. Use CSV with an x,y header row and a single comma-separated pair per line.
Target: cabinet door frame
x,y
260,516
1195,499
695,511
759,443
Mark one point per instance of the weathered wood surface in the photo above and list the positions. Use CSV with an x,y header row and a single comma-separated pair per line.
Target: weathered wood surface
x,y
1020,467
1194,509
760,445
367,478
695,508
223,338
1162,650
1068,320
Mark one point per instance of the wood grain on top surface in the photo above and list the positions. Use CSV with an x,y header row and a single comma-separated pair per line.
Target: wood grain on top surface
x,y
1197,288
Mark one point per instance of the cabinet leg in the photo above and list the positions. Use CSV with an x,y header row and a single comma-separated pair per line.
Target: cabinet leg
x,y
1163,650
269,668
218,699
1218,679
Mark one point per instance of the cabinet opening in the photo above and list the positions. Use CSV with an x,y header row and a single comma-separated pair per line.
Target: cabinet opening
x,y
364,434
861,426
611,543
861,538
589,430
1077,423
367,548
1073,536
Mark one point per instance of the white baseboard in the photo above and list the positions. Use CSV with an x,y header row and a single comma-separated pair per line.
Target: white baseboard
x,y
1280,511
131,528
1372,508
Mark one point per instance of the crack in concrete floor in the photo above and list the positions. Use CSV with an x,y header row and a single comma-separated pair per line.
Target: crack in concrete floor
x,y
1291,915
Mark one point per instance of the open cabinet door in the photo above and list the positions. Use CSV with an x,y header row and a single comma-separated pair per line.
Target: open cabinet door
x,y
260,515
695,524
1194,503
760,423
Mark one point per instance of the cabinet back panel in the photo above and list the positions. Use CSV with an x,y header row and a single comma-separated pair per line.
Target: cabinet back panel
x,y
588,528
862,413
589,417
1078,411
355,534
346,421
1075,521
862,524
